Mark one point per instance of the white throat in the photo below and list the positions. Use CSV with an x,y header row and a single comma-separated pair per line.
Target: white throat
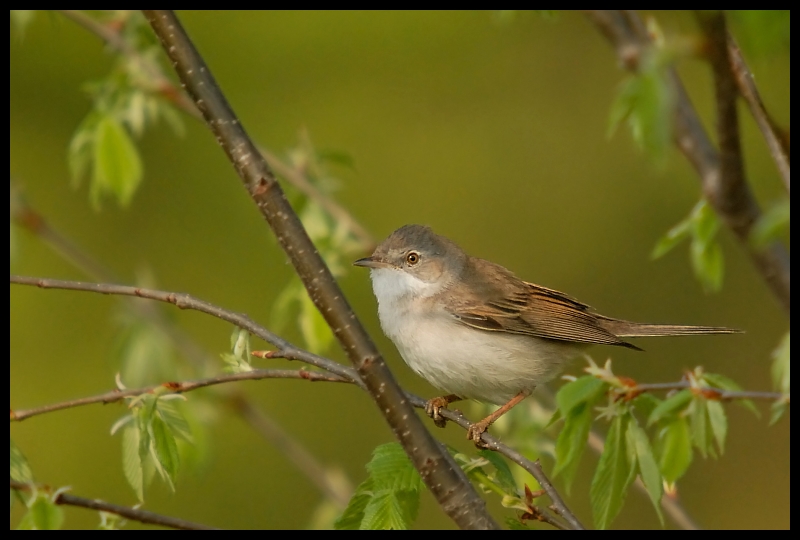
x,y
392,285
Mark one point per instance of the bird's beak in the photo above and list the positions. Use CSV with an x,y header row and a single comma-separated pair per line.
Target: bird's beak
x,y
373,262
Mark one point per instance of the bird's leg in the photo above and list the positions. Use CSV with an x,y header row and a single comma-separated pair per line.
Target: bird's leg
x,y
475,430
433,406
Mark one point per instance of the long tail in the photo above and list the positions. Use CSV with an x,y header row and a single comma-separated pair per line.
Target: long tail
x,y
632,329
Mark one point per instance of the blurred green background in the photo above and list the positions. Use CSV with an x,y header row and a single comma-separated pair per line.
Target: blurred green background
x,y
492,132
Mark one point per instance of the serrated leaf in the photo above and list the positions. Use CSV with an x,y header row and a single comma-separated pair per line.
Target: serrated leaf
x,y
648,469
771,224
572,441
387,509
45,515
354,513
612,477
172,416
117,167
391,469
726,383
674,236
719,422
675,450
780,366
503,475
20,468
166,448
584,389
131,461
670,406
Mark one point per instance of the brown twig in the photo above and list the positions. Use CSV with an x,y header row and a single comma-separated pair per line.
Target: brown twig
x,y
720,172
135,514
289,351
775,137
447,483
707,391
178,388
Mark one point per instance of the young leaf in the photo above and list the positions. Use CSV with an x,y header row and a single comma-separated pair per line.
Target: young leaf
x,y
777,410
131,461
670,406
173,417
503,475
166,448
117,165
771,224
780,366
584,389
43,515
648,469
316,332
719,423
391,469
385,511
612,477
675,450
20,468
572,441
674,236
708,264
700,432
353,515
726,383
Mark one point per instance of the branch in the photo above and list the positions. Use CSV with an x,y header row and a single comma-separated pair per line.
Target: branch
x,y
720,173
178,388
344,374
178,98
142,516
777,140
447,483
706,391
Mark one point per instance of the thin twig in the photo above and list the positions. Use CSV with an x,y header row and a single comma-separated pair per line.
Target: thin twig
x,y
185,301
336,488
174,387
720,172
135,514
707,391
775,137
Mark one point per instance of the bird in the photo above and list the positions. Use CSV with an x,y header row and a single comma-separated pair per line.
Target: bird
x,y
476,331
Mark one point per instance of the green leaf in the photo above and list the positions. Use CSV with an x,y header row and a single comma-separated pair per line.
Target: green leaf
x,y
675,450
708,265
390,510
726,383
353,515
648,469
117,167
718,421
166,449
674,236
172,416
701,435
612,477
777,410
585,389
771,224
20,468
81,149
670,406
705,223
514,524
780,366
572,441
132,462
145,355
391,469
503,475
43,515
337,157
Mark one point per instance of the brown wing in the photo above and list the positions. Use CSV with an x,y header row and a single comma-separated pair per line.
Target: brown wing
x,y
503,303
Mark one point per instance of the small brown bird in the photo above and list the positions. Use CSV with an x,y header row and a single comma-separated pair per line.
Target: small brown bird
x,y
473,329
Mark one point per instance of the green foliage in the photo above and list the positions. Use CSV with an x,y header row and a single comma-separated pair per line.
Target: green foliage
x,y
674,449
613,476
238,360
772,223
20,468
389,497
144,353
150,436
780,378
761,32
641,451
43,513
701,226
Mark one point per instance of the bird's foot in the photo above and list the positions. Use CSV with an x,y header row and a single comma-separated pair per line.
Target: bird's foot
x,y
474,432
433,406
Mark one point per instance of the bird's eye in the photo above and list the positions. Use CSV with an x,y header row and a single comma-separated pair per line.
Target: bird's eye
x,y
412,258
